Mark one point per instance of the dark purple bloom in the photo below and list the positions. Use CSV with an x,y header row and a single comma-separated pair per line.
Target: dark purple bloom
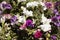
x,y
56,20
48,4
7,6
58,17
54,37
13,19
29,23
57,3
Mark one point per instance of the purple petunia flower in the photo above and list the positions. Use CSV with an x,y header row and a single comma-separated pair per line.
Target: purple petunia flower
x,y
56,20
29,23
13,19
57,4
7,6
48,4
55,11
54,37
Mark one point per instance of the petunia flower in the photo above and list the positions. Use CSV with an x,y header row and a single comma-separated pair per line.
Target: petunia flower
x,y
26,12
7,16
29,23
46,24
13,19
56,20
45,27
32,4
53,37
37,34
23,27
5,5
45,20
48,4
57,3
55,12
21,19
21,0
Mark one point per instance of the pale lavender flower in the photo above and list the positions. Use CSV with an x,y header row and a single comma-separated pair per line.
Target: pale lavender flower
x,y
13,19
55,11
53,37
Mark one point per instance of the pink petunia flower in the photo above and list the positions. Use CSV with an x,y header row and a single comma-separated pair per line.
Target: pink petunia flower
x,y
37,33
23,26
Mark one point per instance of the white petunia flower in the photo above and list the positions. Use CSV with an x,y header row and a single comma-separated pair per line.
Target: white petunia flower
x,y
45,20
26,12
45,27
21,0
32,4
21,19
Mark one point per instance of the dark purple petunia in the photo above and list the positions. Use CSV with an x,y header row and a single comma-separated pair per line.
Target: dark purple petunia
x,y
56,20
7,6
54,37
29,23
13,19
57,4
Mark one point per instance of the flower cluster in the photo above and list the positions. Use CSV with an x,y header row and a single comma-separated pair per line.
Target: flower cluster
x,y
29,20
